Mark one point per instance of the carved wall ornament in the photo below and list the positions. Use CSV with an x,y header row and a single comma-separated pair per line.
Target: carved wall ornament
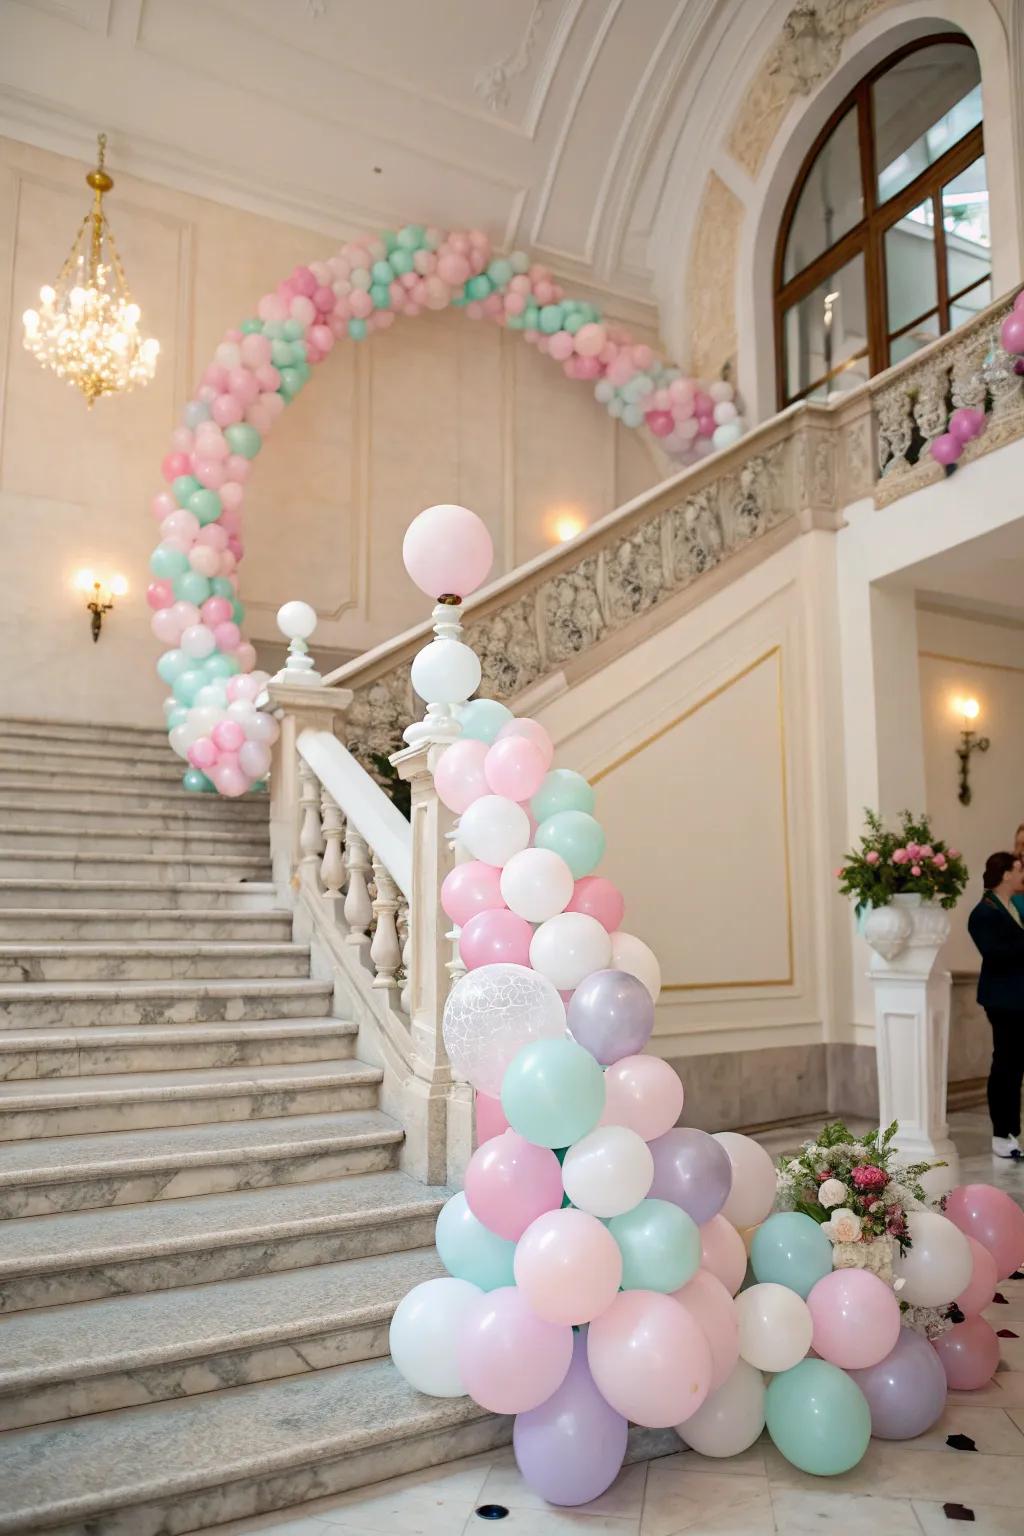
x,y
509,648
635,574
493,82
573,617
711,279
698,541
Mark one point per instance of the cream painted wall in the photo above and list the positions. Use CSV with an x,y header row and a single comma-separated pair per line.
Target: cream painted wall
x,y
439,410
967,657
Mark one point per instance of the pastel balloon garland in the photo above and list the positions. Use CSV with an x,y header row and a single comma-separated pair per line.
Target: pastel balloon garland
x,y
263,365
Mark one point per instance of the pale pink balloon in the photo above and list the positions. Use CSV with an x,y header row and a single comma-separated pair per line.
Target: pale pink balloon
x,y
490,1117
511,1360
229,779
240,687
245,655
722,1252
180,524
204,560
643,1093
534,732
459,775
856,1318
599,898
509,1182
216,610
989,1214
165,626
228,636
185,613
969,1352
515,767
980,1289
215,535
447,550
495,938
714,1311
162,505
254,759
227,735
160,594
261,726
568,1265
202,753
471,888
649,1359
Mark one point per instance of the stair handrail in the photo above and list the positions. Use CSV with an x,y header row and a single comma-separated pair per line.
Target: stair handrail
x,y
364,804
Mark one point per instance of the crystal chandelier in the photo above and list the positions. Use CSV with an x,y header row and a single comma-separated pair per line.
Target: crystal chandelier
x,y
86,328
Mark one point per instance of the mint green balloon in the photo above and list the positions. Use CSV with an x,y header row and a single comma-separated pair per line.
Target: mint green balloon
x,y
243,439
170,667
791,1249
389,239
412,237
500,271
479,287
562,790
196,782
290,384
280,353
381,296
205,505
818,1418
179,714
190,587
482,719
382,272
400,261
553,1092
219,665
187,684
183,487
221,587
469,1250
660,1246
251,327
551,317
292,330
237,610
274,330
576,837
168,563
357,330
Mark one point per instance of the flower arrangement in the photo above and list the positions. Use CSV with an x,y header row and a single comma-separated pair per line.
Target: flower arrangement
x,y
851,1187
911,861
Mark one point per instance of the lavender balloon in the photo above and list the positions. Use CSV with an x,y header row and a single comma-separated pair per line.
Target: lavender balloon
x,y
693,1171
905,1392
611,1015
572,1447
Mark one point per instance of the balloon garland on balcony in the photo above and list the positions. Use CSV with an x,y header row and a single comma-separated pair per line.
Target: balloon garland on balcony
x,y
262,366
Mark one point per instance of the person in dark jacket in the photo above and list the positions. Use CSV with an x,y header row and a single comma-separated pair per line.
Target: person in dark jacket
x,y
996,927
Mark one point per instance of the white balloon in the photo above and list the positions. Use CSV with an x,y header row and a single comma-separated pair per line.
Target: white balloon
x,y
296,620
445,672
424,1334
261,727
633,955
938,1264
729,1420
491,1013
203,718
568,947
728,433
721,390
212,695
537,884
775,1327
180,740
197,641
753,1180
241,711
725,411
493,829
608,1171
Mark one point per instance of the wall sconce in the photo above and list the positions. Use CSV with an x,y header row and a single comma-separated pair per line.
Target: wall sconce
x,y
566,523
101,596
968,710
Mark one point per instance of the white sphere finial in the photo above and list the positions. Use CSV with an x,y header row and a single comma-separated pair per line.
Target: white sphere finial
x,y
296,621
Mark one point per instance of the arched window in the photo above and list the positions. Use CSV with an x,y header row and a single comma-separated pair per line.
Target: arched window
x,y
884,242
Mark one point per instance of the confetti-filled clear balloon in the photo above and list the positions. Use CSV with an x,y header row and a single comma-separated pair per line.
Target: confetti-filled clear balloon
x,y
491,1013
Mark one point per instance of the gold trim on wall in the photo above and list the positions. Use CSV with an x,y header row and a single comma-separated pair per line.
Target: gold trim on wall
x,y
687,714
969,661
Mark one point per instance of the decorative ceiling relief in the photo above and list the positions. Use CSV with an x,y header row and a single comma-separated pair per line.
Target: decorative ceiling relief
x,y
493,82
711,278
806,52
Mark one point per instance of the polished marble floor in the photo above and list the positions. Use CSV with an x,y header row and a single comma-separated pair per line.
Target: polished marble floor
x,y
920,1487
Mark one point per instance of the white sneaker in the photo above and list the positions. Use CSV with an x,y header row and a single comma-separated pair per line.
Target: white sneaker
x,y
1005,1146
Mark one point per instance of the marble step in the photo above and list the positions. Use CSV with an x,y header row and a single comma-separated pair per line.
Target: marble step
x,y
187,842
66,1362
151,778
187,960
49,1053
86,732
187,813
182,1466
105,795
236,895
55,864
45,925
38,758
88,1172
65,1005
123,1250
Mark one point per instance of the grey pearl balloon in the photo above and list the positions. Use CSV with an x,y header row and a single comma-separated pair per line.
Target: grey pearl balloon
x,y
905,1393
692,1170
611,1015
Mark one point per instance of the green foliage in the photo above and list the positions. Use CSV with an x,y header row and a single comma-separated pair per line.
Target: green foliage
x,y
910,861
397,788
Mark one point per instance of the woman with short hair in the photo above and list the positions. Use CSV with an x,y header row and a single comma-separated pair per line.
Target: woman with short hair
x,y
997,929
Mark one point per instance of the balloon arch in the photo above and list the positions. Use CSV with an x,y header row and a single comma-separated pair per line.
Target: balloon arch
x,y
260,367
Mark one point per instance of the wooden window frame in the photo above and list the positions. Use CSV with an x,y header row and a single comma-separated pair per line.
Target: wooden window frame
x,y
867,236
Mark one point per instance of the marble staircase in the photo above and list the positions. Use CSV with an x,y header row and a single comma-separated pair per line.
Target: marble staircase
x,y
204,1227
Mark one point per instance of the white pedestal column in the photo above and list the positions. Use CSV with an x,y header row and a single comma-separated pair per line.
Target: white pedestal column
x,y
912,1001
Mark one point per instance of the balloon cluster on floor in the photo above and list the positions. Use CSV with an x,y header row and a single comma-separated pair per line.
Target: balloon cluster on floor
x,y
261,366
597,1256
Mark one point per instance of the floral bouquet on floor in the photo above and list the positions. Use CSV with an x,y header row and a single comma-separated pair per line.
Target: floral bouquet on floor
x,y
910,862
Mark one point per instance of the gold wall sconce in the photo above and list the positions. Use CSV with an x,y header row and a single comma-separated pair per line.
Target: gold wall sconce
x,y
101,596
968,710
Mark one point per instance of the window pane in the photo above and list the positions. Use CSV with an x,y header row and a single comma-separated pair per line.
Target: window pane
x,y
826,328
922,107
832,200
913,340
910,278
963,309
965,218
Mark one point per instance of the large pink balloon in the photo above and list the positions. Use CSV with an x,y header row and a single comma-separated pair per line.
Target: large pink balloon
x,y
988,1214
514,767
714,1311
856,1318
471,888
643,1093
649,1359
510,1359
969,1353
490,1117
980,1289
495,938
510,1182
599,898
459,775
447,551
723,1253
534,732
568,1266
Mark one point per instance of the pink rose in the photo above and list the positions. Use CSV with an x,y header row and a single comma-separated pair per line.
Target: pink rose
x,y
840,872
915,870
940,861
872,857
901,856
869,1178
954,853
926,851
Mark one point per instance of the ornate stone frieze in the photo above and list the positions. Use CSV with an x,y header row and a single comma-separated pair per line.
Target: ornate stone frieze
x,y
635,576
697,538
378,714
572,613
509,647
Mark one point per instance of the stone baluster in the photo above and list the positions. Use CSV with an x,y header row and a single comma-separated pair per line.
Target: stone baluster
x,y
385,949
358,908
332,865
310,839
405,935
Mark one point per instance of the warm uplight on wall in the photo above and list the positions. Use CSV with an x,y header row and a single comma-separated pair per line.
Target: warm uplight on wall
x,y
101,595
566,524
968,710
